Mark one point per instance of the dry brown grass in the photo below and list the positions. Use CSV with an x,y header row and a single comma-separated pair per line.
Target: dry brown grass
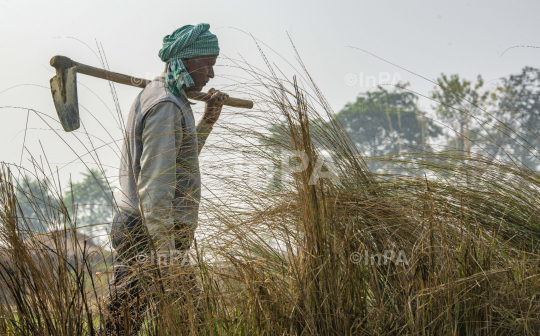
x,y
278,262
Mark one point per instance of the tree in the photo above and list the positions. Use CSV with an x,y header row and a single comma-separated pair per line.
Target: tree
x,y
93,200
37,204
386,122
518,119
459,103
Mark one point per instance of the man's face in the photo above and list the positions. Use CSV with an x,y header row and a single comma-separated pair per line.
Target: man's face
x,y
201,69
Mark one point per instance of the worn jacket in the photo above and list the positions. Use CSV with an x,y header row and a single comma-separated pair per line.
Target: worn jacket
x,y
159,169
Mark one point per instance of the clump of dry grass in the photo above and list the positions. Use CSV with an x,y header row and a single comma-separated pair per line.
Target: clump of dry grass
x,y
45,279
470,236
278,261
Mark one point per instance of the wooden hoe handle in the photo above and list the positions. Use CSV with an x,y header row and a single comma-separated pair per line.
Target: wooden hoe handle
x,y
62,62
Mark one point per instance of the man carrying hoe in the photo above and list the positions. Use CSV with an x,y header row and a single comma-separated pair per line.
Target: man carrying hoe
x,y
160,184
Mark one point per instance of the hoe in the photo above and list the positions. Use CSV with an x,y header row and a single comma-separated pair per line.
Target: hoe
x,y
64,89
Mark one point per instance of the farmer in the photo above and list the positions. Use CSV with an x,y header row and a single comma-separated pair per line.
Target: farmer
x,y
160,184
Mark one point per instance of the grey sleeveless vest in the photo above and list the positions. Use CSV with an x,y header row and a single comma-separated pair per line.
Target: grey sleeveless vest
x,y
188,185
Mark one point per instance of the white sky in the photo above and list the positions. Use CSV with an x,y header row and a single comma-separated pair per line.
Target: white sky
x,y
425,37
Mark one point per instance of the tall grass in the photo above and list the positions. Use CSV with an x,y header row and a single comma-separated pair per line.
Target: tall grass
x,y
285,261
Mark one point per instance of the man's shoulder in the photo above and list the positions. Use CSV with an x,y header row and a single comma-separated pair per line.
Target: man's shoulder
x,y
163,107
157,92
161,115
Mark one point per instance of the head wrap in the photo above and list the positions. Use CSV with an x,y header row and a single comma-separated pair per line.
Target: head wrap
x,y
186,42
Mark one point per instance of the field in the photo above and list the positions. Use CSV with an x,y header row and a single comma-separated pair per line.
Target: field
x,y
440,243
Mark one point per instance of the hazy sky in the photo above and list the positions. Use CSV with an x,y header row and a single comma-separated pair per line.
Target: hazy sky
x,y
425,37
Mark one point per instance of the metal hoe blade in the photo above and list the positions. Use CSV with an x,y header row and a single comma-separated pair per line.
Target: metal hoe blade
x,y
64,92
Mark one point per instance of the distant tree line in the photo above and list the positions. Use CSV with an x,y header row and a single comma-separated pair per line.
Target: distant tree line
x,y
500,122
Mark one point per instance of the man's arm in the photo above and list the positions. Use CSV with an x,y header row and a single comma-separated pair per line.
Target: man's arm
x,y
212,110
204,128
157,179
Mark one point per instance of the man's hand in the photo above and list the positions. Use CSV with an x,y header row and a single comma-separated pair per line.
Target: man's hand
x,y
213,105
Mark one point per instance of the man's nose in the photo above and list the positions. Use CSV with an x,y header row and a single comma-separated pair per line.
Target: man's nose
x,y
211,72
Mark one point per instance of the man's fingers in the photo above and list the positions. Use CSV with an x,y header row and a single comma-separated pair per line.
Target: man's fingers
x,y
216,97
223,96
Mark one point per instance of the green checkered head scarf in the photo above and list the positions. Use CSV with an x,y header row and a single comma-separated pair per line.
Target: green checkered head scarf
x,y
186,42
